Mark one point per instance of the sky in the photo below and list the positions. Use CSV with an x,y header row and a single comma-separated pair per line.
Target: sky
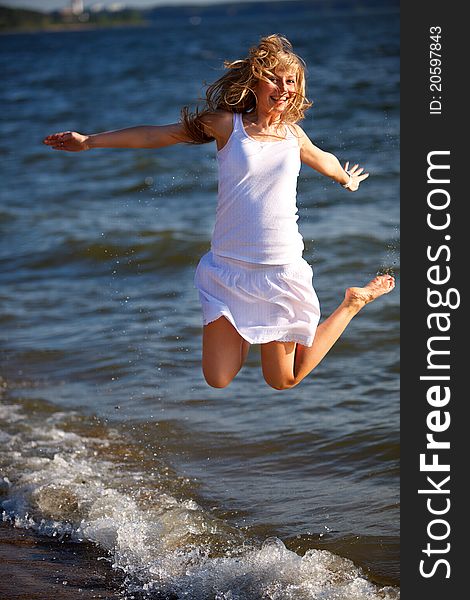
x,y
46,5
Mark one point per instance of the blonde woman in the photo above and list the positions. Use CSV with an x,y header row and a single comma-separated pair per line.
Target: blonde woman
x,y
254,285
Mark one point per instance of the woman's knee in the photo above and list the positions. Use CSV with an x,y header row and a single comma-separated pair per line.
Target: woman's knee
x,y
217,380
223,353
279,382
277,361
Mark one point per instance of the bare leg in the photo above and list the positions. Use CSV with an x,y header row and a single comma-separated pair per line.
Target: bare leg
x,y
285,364
223,352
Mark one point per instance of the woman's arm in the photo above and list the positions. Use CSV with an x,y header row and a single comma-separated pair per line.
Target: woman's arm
x,y
144,136
327,164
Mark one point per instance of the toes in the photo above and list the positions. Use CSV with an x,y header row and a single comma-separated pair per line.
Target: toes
x,y
381,279
384,282
385,278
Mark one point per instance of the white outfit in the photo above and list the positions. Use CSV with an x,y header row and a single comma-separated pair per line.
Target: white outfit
x,y
256,219
254,274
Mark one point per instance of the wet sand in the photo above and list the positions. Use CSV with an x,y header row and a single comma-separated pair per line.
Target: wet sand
x,y
35,568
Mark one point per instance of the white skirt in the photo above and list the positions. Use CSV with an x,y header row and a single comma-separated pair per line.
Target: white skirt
x,y
264,303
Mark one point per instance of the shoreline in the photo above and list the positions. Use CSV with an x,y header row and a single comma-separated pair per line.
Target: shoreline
x,y
33,567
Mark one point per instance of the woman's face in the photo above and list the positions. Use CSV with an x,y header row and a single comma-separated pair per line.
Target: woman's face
x,y
274,95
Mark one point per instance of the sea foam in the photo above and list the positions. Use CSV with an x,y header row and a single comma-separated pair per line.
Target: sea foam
x,y
68,485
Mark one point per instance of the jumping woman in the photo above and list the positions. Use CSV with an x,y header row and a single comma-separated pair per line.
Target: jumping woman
x,y
254,285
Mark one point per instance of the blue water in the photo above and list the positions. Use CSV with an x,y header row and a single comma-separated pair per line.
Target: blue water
x,y
100,323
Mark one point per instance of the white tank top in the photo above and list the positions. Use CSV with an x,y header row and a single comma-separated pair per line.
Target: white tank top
x,y
256,218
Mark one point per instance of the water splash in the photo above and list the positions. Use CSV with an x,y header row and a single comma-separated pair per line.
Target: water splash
x,y
70,485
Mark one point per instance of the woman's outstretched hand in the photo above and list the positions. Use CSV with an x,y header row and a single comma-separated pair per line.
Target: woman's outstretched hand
x,y
71,141
356,175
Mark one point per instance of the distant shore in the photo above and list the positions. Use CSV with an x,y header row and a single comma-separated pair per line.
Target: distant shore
x,y
18,20
14,20
60,28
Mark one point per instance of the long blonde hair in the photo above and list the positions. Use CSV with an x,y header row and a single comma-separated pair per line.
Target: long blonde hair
x,y
235,90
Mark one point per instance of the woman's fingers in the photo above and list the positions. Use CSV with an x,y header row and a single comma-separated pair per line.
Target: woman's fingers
x,y
66,140
56,140
57,137
355,170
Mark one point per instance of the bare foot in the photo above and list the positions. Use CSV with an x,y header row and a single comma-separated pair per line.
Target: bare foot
x,y
357,297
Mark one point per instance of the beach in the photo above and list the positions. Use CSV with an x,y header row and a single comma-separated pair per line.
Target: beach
x,y
33,568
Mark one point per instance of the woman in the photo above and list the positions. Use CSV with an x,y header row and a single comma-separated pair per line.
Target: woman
x,y
254,285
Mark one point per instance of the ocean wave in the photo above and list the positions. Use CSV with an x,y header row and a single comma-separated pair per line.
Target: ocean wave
x,y
141,254
83,483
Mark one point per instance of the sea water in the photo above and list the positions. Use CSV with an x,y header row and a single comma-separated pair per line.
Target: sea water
x,y
109,435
